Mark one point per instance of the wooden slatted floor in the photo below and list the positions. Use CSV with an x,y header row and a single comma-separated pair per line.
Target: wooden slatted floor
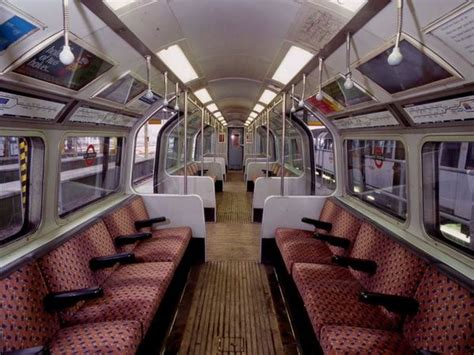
x,y
232,312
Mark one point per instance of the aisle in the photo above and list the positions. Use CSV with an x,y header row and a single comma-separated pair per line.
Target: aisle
x,y
229,303
234,236
232,312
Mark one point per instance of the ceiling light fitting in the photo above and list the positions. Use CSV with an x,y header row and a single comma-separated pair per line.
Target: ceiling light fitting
x,y
319,95
348,84
66,56
301,103
149,93
396,57
293,108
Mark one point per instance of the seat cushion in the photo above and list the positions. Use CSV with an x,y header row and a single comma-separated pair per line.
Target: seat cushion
x,y
98,338
337,304
133,292
182,232
354,340
305,251
283,235
165,248
309,277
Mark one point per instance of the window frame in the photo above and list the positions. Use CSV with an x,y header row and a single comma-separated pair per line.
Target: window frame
x,y
65,216
348,193
33,217
438,237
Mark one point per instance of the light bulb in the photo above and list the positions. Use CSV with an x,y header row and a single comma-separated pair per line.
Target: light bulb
x,y
293,109
301,103
66,56
319,96
348,84
165,102
396,57
149,94
176,108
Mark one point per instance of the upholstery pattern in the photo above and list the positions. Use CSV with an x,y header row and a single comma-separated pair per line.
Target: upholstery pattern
x,y
181,232
283,235
398,270
138,211
164,248
121,222
336,304
355,341
98,338
305,251
310,277
444,322
344,225
133,292
24,323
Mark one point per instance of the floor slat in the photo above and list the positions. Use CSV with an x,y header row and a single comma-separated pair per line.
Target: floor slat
x,y
232,312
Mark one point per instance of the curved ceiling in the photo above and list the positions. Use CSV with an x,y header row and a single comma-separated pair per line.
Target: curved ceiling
x,y
235,46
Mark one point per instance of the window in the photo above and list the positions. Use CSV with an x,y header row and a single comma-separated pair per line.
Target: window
x,y
145,152
377,174
90,170
448,192
324,161
21,164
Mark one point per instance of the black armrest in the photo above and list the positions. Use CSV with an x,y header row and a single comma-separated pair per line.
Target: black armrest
x,y
148,222
393,303
131,238
102,262
368,266
37,350
317,224
60,300
270,173
333,240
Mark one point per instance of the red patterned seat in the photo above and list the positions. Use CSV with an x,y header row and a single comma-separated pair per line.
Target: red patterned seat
x,y
305,251
398,273
307,277
443,324
25,324
355,341
298,246
131,292
167,244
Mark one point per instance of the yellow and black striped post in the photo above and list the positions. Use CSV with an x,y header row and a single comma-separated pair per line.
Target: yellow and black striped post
x,y
23,170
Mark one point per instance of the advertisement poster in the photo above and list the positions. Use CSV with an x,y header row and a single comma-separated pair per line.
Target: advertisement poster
x,y
12,28
46,66
123,90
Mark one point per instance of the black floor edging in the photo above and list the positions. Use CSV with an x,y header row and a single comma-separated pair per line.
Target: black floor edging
x,y
163,319
309,344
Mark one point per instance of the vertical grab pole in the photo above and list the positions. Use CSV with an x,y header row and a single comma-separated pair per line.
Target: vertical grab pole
x,y
186,142
203,112
268,141
282,150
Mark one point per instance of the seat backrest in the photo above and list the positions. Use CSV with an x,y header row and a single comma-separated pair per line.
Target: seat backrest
x,y
121,222
344,224
444,321
67,268
138,211
398,269
25,323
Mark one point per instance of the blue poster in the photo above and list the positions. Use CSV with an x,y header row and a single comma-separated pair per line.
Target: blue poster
x,y
12,28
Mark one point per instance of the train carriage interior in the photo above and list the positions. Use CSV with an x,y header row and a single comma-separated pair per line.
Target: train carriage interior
x,y
236,177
